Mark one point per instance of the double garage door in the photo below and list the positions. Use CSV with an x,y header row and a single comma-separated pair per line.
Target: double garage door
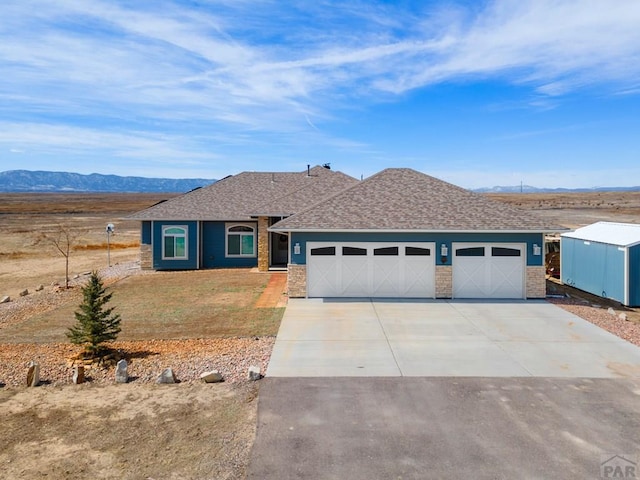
x,y
374,269
371,269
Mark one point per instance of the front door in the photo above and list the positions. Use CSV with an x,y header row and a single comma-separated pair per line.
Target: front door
x,y
279,250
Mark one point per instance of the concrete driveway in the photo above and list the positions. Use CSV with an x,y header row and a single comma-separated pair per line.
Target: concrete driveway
x,y
378,338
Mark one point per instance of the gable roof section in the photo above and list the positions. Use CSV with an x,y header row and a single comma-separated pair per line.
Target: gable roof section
x,y
406,200
621,234
242,196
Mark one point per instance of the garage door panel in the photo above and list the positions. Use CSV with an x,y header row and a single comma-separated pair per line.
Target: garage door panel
x,y
488,270
354,276
322,279
419,275
386,276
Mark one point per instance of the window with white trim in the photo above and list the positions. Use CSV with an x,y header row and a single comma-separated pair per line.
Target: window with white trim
x,y
241,241
174,242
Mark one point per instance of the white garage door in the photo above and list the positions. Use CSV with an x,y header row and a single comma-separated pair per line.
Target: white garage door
x,y
371,269
488,270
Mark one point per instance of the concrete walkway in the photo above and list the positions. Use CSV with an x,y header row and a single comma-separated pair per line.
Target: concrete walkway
x,y
378,338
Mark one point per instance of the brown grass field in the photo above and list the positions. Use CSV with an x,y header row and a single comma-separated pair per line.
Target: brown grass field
x,y
132,431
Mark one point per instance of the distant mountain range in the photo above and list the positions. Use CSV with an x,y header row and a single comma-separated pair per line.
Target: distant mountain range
x,y
530,189
38,181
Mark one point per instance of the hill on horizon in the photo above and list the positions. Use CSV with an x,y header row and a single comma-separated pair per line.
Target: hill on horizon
x,y
16,181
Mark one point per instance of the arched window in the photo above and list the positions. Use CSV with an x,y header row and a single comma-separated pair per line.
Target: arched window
x,y
241,241
174,242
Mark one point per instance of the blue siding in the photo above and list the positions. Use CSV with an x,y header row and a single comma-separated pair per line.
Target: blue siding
x,y
145,235
634,276
213,244
594,267
439,238
191,262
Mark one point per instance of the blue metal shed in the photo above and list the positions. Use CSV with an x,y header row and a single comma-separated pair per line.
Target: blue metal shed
x,y
603,259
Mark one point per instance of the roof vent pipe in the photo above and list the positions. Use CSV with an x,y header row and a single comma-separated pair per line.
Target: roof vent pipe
x,y
308,170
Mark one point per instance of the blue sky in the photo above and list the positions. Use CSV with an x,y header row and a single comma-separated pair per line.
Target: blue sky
x,y
478,93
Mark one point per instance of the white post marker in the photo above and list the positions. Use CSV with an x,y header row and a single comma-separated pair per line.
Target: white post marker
x,y
110,229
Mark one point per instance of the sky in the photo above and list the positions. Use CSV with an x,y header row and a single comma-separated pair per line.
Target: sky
x,y
477,93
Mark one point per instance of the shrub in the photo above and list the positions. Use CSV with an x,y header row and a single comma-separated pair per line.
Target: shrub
x,y
95,323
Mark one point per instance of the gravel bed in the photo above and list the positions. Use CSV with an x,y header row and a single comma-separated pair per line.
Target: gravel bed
x,y
232,357
625,329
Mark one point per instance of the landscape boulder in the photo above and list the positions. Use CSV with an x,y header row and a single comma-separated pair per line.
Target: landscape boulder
x,y
78,374
24,292
39,288
254,373
623,316
611,311
214,376
33,374
5,299
121,372
167,376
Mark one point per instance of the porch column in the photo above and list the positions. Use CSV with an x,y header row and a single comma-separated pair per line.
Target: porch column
x,y
263,244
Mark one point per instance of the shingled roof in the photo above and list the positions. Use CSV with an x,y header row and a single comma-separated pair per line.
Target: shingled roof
x,y
404,199
248,194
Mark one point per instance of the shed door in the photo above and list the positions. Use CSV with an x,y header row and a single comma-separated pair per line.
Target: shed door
x,y
488,270
370,269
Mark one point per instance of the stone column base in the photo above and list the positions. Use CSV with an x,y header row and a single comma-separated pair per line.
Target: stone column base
x,y
536,282
297,281
444,281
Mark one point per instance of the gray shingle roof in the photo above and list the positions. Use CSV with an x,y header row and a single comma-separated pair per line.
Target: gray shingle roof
x,y
404,199
248,194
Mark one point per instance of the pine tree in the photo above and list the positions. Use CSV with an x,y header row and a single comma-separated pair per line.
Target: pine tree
x,y
95,323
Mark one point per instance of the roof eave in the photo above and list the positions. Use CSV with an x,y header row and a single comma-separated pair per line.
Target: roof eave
x,y
405,230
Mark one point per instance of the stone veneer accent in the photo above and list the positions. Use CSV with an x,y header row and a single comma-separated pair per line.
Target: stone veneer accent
x,y
297,281
263,244
146,257
536,282
444,281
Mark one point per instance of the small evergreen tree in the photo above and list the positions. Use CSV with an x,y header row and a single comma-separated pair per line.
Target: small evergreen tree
x,y
95,323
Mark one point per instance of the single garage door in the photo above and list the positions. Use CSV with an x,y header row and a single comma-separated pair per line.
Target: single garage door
x,y
371,269
488,270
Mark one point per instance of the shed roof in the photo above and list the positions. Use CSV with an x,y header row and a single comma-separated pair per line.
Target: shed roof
x,y
404,199
621,234
248,194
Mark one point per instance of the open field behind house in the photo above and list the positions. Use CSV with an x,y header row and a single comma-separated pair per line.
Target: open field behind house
x,y
189,321
575,210
26,263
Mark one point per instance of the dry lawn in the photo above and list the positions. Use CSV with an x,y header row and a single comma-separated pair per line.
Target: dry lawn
x,y
167,305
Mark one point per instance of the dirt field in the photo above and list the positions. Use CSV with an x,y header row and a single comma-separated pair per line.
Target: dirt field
x,y
142,430
27,263
184,431
574,210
